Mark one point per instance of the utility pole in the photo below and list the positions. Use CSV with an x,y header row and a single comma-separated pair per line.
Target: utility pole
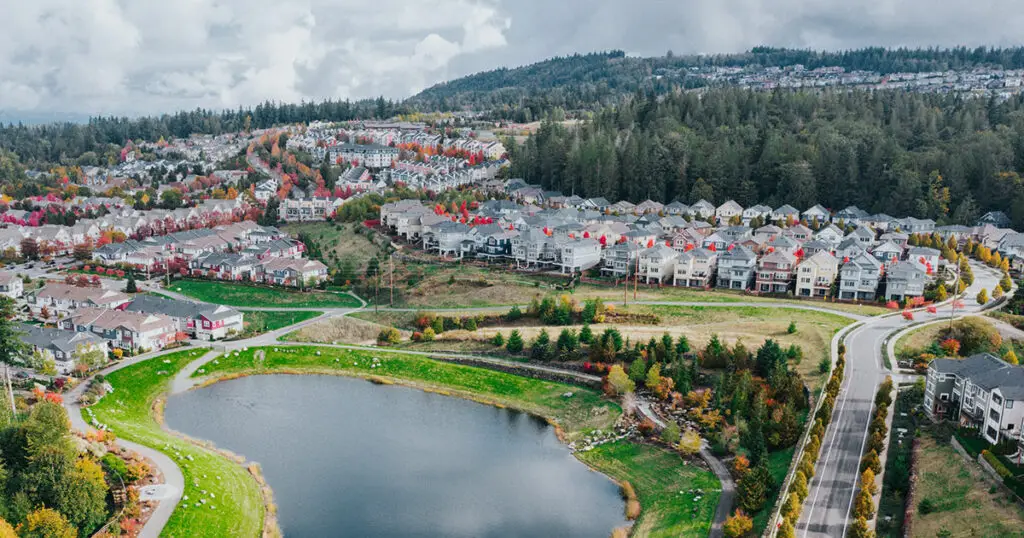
x,y
391,270
956,294
636,274
10,390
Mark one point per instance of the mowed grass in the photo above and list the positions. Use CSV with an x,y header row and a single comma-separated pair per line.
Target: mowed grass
x,y
663,482
582,412
237,294
258,321
128,411
963,505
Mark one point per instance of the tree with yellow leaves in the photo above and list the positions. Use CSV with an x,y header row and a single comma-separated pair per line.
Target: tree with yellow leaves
x,y
689,444
867,481
737,524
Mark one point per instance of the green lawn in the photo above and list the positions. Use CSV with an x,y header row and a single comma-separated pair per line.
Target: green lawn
x,y
234,506
663,482
237,294
778,466
258,321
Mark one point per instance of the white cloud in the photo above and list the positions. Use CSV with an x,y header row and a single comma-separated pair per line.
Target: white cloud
x,y
117,56
110,56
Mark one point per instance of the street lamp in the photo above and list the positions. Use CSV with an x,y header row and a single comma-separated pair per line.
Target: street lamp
x,y
956,292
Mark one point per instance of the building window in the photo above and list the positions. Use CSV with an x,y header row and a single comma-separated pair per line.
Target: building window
x,y
998,400
943,397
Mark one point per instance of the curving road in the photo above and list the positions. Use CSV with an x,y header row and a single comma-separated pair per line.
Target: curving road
x,y
826,511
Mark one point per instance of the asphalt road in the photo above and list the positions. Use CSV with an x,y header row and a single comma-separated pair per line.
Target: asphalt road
x,y
826,511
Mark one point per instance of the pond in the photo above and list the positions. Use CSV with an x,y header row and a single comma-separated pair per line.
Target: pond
x,y
349,458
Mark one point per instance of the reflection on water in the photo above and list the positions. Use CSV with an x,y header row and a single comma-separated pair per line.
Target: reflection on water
x,y
348,458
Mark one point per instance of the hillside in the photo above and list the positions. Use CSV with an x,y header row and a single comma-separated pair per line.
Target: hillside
x,y
591,81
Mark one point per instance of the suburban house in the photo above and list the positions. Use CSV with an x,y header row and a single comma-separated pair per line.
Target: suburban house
x,y
888,253
61,299
10,285
578,255
859,277
816,213
775,272
62,347
201,321
927,258
736,268
760,211
677,209
657,264
904,280
815,275
695,268
786,213
727,211
126,330
702,209
291,272
619,260
994,218
981,392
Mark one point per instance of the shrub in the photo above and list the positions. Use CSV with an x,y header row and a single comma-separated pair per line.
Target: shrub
x,y
1011,357
997,465
737,524
824,364
926,506
864,506
428,334
982,297
618,383
498,340
670,435
690,443
389,335
514,313
469,324
792,328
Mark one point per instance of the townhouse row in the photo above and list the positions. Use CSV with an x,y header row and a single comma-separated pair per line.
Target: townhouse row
x,y
859,263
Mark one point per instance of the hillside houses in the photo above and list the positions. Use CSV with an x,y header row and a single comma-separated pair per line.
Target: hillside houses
x,y
851,255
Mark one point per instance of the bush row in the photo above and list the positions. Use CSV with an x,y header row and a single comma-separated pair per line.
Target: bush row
x,y
870,464
997,465
798,490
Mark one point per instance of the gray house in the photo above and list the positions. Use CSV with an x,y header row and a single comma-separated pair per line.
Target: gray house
x,y
858,278
904,280
981,392
736,268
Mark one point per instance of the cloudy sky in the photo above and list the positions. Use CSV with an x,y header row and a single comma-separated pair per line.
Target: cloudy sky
x,y
139,57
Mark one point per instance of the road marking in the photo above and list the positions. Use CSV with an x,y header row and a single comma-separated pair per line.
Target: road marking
x,y
828,454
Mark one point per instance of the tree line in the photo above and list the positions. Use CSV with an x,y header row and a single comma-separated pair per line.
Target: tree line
x,y
929,156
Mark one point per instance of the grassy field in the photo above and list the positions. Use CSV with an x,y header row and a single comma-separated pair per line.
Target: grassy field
x,y
340,247
963,503
778,466
663,482
751,325
236,294
234,506
258,321
448,285
347,329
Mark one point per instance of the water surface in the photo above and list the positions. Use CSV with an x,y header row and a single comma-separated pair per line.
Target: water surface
x,y
348,458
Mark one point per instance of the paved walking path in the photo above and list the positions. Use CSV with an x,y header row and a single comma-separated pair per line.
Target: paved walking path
x,y
174,483
725,500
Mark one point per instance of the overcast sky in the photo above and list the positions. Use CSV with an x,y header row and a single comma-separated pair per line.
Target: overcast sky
x,y
144,56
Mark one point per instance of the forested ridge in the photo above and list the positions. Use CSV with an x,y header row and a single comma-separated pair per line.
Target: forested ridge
x,y
942,157
590,81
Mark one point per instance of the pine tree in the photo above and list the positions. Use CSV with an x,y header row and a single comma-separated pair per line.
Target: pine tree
x,y
753,488
586,335
515,342
540,349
